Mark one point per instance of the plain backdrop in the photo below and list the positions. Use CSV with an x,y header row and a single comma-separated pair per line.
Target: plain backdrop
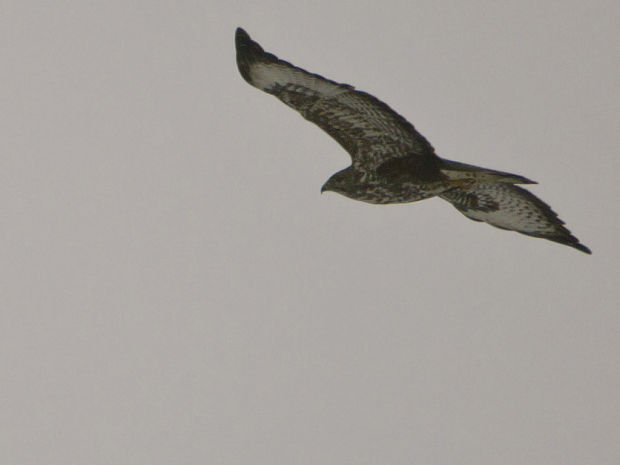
x,y
175,290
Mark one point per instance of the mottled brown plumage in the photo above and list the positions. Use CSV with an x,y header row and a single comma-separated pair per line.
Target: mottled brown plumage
x,y
391,161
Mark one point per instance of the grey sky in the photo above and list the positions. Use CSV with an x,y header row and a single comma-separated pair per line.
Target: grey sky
x,y
176,290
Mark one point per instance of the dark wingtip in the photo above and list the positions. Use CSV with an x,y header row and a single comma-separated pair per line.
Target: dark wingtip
x,y
243,44
242,38
248,52
571,241
518,179
582,247
247,49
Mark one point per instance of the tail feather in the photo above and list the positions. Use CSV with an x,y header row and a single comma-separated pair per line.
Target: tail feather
x,y
513,208
457,171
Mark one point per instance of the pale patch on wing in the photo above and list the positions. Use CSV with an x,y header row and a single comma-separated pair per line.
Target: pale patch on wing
x,y
511,207
505,206
368,129
272,76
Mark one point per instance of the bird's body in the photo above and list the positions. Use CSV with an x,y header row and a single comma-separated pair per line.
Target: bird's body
x,y
391,161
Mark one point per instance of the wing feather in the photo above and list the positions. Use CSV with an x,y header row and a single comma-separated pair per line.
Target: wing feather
x,y
513,208
368,129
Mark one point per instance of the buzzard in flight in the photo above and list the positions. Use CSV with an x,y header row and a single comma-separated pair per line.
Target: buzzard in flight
x,y
391,161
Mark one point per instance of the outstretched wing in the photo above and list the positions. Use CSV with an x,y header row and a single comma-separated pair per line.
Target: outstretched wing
x,y
510,207
369,130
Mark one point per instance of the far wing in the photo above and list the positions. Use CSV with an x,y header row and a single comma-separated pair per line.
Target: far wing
x,y
511,207
369,130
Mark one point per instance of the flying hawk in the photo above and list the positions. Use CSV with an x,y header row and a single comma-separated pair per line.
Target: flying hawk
x,y
391,161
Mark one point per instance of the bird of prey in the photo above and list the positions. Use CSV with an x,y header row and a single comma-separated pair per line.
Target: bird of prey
x,y
391,161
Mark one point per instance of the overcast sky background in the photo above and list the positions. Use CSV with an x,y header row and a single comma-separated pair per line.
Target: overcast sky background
x,y
175,290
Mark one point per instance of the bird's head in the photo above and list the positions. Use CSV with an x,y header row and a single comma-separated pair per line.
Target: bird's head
x,y
343,182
